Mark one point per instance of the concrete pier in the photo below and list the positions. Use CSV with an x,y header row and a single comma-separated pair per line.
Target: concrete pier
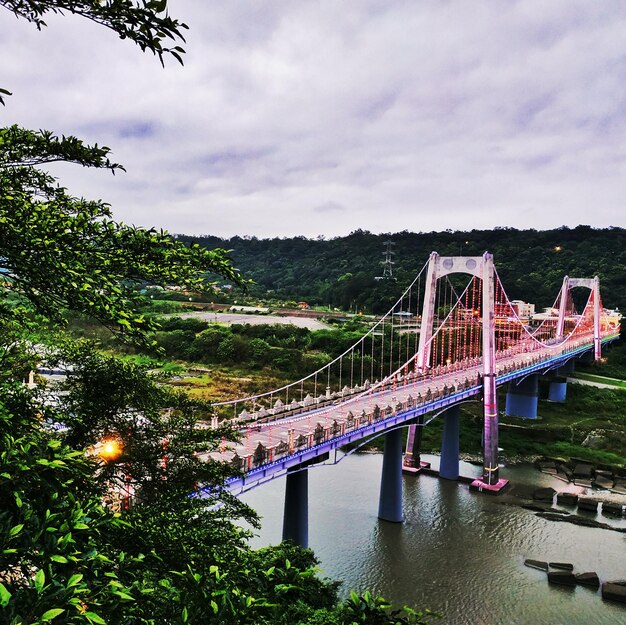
x,y
449,465
390,502
296,514
522,398
412,462
557,389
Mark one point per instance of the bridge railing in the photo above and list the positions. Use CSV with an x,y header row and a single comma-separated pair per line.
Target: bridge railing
x,y
334,419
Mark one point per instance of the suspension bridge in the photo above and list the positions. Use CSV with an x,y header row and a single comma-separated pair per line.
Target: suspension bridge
x,y
452,336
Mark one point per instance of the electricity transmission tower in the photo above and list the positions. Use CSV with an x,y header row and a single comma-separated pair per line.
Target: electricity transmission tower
x,y
388,263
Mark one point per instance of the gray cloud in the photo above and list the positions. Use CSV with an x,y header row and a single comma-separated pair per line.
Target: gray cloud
x,y
417,116
329,207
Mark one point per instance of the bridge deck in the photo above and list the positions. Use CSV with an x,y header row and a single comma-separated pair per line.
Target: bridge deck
x,y
267,450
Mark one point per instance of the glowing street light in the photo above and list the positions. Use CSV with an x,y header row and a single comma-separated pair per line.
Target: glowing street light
x,y
111,449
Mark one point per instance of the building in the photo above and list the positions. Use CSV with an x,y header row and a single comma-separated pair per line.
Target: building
x,y
523,309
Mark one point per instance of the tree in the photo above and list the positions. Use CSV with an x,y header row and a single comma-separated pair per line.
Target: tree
x,y
146,23
54,561
170,558
58,251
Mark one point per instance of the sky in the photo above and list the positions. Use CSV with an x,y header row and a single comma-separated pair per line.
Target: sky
x,y
321,118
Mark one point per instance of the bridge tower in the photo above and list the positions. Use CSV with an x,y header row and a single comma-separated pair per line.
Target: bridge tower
x,y
593,284
483,268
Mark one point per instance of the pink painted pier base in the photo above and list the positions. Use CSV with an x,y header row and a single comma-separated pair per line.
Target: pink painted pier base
x,y
494,489
415,470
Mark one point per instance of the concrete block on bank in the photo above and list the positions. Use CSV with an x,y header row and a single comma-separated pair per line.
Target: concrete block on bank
x,y
567,499
583,471
563,469
544,494
604,473
603,482
588,579
547,466
619,488
612,509
564,578
614,591
587,504
536,564
563,566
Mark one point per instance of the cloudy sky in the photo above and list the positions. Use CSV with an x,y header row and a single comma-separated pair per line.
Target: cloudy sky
x,y
317,118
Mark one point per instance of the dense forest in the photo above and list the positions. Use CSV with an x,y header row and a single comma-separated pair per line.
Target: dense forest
x,y
341,271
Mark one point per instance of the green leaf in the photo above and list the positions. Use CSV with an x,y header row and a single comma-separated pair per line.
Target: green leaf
x,y
123,595
60,559
92,617
15,530
75,579
185,614
40,580
50,614
5,595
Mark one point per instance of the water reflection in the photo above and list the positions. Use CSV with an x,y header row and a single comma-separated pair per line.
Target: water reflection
x,y
457,552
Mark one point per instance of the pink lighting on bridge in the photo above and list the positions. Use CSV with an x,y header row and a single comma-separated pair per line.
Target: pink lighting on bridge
x,y
469,338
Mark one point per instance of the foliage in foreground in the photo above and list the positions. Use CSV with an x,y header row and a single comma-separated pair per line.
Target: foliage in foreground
x,y
62,252
169,558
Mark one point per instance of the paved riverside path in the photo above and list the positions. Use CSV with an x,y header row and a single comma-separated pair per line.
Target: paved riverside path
x,y
612,387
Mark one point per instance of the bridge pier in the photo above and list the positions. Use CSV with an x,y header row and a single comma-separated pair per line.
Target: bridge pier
x,y
557,391
412,462
390,502
296,514
449,463
522,397
558,384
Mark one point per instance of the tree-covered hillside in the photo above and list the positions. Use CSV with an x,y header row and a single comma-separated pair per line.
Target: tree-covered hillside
x,y
341,271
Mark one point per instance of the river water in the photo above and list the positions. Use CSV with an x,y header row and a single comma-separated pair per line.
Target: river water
x,y
458,553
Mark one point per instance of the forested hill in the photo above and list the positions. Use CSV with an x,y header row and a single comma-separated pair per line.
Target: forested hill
x,y
341,271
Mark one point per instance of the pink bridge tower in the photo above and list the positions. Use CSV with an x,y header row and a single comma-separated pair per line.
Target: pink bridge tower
x,y
481,267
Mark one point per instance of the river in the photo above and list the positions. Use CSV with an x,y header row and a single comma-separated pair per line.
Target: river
x,y
458,553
